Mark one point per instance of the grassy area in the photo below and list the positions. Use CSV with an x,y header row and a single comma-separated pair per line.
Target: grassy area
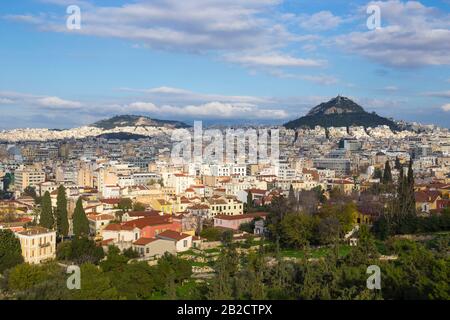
x,y
199,264
213,250
186,290
315,252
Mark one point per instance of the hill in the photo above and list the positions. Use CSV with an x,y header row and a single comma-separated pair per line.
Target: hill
x,y
340,112
137,121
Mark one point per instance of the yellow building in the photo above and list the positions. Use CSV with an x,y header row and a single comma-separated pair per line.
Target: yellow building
x,y
38,244
225,206
162,205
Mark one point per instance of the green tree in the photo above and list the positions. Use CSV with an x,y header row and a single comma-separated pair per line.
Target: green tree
x,y
25,276
211,234
377,174
125,204
10,250
135,281
417,274
328,230
387,175
47,220
80,221
30,192
138,206
249,204
95,285
227,237
398,165
115,261
292,199
226,266
62,222
297,230
80,250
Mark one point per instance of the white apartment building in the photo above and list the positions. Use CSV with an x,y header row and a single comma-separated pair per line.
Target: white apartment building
x,y
284,172
228,170
180,182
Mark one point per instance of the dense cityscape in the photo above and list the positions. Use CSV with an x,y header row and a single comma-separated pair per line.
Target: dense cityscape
x,y
346,197
211,158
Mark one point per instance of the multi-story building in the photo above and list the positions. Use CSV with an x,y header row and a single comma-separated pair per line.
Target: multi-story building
x,y
226,206
340,166
28,177
38,244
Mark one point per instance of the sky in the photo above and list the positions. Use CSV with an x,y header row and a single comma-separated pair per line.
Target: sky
x,y
222,61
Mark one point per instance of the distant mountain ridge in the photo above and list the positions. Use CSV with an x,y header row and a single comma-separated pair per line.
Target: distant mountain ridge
x,y
137,121
340,112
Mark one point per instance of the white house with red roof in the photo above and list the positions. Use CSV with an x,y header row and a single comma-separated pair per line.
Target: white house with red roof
x,y
97,222
234,222
183,241
153,247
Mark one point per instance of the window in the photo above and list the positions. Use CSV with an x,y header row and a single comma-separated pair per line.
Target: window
x,y
185,243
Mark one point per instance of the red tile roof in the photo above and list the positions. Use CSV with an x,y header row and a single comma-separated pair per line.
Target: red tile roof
x,y
242,216
143,241
173,235
149,221
150,213
426,196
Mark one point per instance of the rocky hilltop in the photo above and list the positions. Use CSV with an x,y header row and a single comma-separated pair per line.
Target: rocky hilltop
x,y
137,121
340,112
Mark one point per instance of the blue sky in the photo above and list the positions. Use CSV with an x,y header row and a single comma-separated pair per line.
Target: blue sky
x,y
266,61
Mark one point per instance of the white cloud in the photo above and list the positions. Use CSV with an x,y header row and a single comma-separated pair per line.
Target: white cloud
x,y
212,110
446,107
438,94
274,60
177,95
6,101
320,21
390,88
321,79
57,102
18,98
412,35
194,26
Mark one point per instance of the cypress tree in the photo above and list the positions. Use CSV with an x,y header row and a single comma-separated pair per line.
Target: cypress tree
x,y
410,200
249,200
292,199
400,201
397,163
80,221
46,219
387,175
62,223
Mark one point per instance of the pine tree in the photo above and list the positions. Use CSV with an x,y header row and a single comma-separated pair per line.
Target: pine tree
x,y
62,223
80,221
46,219
387,175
